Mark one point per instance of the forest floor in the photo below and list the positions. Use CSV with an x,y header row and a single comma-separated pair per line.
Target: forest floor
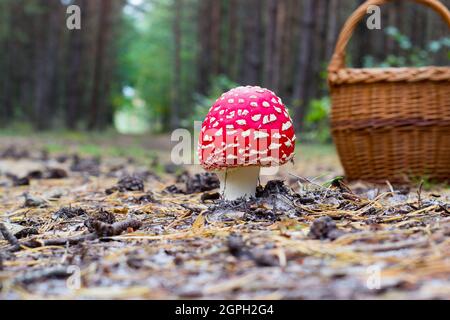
x,y
111,218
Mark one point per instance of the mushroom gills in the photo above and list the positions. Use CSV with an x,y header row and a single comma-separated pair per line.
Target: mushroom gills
x,y
239,182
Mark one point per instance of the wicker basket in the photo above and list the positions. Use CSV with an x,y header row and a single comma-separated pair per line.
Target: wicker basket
x,y
390,123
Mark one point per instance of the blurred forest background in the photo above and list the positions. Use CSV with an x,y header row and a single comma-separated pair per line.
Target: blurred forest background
x,y
155,65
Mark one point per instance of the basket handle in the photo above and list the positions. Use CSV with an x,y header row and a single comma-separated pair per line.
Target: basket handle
x,y
338,59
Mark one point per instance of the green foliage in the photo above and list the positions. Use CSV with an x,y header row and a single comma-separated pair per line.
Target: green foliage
x,y
203,103
145,47
317,120
410,55
147,59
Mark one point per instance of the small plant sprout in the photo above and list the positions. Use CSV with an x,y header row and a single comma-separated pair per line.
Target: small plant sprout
x,y
247,128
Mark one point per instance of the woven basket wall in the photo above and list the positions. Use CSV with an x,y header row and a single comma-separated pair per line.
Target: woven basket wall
x,y
390,123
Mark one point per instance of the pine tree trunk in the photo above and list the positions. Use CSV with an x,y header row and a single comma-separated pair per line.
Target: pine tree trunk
x,y
270,44
304,72
74,66
204,56
332,27
96,107
233,39
176,89
45,67
252,45
280,38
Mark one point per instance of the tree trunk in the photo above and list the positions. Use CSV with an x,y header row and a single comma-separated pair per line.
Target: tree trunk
x,y
176,89
270,44
233,39
280,38
332,27
6,111
96,108
304,73
204,56
74,66
45,67
216,43
287,47
252,46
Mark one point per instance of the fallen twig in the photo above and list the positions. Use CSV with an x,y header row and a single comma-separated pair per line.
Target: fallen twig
x,y
35,243
306,180
8,235
53,272
419,194
101,230
109,230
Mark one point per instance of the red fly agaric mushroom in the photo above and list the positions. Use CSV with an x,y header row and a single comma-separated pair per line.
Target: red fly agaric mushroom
x,y
247,128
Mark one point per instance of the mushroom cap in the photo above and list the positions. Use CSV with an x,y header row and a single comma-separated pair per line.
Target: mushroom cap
x,y
246,126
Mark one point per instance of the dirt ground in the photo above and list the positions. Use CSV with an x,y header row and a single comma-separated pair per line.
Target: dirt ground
x,y
112,218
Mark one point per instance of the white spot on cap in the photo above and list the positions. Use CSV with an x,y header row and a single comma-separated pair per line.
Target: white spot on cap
x,y
266,104
274,100
260,134
241,122
230,100
245,112
269,118
209,146
286,126
274,146
231,115
288,143
241,101
207,138
253,97
230,126
212,120
276,135
215,124
219,132
246,133
256,117
277,109
294,138
254,104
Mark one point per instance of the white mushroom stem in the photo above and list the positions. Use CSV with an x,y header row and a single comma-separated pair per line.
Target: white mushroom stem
x,y
236,183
